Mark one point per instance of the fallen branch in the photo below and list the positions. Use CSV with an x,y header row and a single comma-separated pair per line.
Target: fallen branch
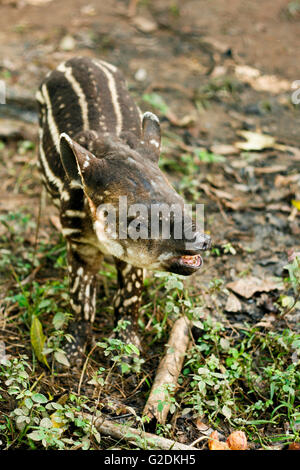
x,y
168,371
139,438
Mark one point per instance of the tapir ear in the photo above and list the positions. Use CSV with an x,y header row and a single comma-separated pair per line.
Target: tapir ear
x,y
151,132
80,165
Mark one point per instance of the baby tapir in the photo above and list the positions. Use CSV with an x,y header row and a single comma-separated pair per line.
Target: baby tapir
x,y
96,147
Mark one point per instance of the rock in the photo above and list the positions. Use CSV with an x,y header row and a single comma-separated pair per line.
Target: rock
x,y
140,75
144,24
233,304
67,43
249,285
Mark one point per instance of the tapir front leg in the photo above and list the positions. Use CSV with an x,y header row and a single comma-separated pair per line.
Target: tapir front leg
x,y
83,264
127,300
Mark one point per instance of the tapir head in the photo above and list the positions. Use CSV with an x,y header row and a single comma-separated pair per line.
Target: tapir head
x,y
137,216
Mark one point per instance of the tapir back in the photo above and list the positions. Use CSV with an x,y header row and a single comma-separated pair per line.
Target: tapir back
x,y
82,94
94,148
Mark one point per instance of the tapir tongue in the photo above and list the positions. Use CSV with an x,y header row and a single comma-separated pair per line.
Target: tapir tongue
x,y
194,261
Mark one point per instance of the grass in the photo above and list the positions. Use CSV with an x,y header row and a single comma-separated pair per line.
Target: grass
x,y
245,379
236,375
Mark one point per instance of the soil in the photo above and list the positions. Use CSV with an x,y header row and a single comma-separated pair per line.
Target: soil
x,y
189,53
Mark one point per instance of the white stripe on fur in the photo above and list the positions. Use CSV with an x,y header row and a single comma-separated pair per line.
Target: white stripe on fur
x,y
79,92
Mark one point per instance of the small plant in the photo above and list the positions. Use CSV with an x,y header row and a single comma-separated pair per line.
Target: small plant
x,y
228,248
208,157
169,399
288,303
157,102
40,421
122,354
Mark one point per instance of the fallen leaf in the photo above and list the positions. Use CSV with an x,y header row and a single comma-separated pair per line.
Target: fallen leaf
x,y
144,24
222,194
248,286
67,43
56,421
259,82
267,170
237,440
185,121
257,141
294,446
233,304
224,149
215,444
296,204
38,339
202,427
281,180
218,192
266,321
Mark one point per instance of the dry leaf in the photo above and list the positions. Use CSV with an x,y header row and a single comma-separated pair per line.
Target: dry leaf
x,y
269,83
215,444
296,204
144,24
38,339
294,446
266,321
257,141
202,427
233,304
281,180
56,222
67,43
185,121
248,286
224,149
237,440
266,170
222,194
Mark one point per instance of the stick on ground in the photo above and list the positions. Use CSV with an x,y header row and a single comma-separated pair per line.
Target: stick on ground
x,y
168,370
144,440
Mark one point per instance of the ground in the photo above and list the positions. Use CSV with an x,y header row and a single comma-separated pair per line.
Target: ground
x,y
212,71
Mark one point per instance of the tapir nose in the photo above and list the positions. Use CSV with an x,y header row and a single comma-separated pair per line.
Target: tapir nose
x,y
200,242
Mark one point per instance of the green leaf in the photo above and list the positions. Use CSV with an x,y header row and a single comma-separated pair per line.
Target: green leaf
x,y
28,403
226,411
133,348
124,367
46,423
156,101
38,339
39,398
58,320
35,436
61,358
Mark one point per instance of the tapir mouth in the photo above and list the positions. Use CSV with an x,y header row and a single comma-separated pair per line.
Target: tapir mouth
x,y
190,260
194,261
185,264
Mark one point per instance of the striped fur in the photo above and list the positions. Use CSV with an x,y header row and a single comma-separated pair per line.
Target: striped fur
x,y
80,95
94,147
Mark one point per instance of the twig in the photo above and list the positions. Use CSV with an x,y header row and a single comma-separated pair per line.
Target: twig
x,y
38,221
137,437
168,370
84,368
